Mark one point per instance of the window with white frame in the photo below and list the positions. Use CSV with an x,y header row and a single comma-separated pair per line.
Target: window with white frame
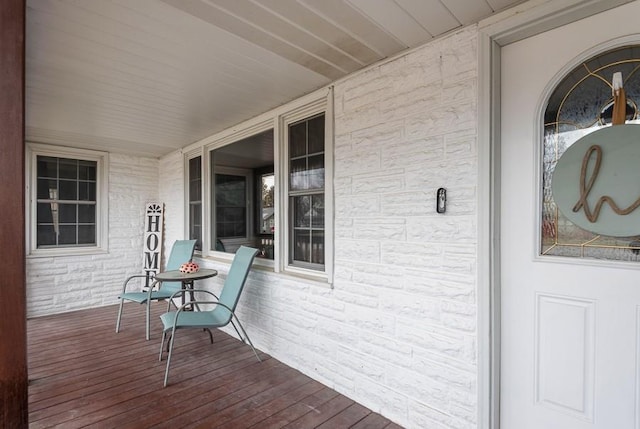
x,y
306,192
67,200
195,200
270,188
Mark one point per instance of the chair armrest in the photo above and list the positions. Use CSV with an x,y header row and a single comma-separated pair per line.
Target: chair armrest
x,y
180,292
124,285
187,304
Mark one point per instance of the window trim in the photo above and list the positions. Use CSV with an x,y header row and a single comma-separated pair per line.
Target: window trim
x,y
305,112
188,156
33,150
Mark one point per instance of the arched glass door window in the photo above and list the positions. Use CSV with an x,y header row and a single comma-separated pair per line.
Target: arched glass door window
x,y
580,104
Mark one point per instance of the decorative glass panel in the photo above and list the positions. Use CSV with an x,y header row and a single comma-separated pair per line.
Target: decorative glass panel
x,y
580,104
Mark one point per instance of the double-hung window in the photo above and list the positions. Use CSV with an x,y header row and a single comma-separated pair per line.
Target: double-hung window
x,y
67,200
306,193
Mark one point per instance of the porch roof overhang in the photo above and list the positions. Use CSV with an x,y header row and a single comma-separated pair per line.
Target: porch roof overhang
x,y
152,76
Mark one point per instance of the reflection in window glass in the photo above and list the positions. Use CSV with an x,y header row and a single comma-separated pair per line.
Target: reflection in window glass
x,y
231,206
195,201
580,104
267,207
306,191
66,202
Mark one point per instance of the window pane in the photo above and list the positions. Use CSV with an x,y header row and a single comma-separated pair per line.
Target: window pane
x,y
231,206
230,190
302,245
267,189
301,212
86,234
298,139
47,167
317,247
67,213
317,212
68,168
87,170
194,190
298,175
68,190
46,235
316,134
44,213
86,213
316,172
195,198
67,234
195,168
47,189
87,191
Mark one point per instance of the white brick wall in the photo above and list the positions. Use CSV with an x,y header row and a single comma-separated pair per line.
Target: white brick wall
x,y
398,331
66,283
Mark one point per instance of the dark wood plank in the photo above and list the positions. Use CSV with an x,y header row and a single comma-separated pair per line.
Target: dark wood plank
x,y
13,301
297,410
347,417
372,421
270,408
86,375
315,417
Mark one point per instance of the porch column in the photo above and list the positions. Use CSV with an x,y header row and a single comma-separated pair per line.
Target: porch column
x,y
13,326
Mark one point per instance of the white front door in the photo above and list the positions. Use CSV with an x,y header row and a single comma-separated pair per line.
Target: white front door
x,y
570,328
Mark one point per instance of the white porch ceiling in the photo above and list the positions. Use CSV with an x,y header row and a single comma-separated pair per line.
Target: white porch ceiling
x,y
151,76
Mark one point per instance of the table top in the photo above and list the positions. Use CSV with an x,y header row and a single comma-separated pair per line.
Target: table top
x,y
177,276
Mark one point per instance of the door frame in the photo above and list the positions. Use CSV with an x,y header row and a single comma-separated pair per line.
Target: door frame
x,y
518,23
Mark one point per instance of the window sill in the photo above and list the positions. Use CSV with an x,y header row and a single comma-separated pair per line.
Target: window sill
x,y
267,266
61,253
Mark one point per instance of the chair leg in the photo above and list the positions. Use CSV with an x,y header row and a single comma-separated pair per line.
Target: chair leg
x,y
119,316
148,318
164,335
171,340
246,337
210,334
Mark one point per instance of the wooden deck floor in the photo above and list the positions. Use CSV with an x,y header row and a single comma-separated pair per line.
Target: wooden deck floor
x,y
83,374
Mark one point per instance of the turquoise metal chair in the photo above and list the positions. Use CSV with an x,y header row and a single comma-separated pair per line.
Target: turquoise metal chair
x,y
222,313
181,252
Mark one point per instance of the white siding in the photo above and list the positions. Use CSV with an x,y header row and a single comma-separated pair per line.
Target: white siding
x,y
66,283
397,332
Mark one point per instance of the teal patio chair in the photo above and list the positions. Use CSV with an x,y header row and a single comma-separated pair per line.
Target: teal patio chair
x,y
181,252
222,313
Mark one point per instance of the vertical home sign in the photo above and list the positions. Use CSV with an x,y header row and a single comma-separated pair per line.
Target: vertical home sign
x,y
153,223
